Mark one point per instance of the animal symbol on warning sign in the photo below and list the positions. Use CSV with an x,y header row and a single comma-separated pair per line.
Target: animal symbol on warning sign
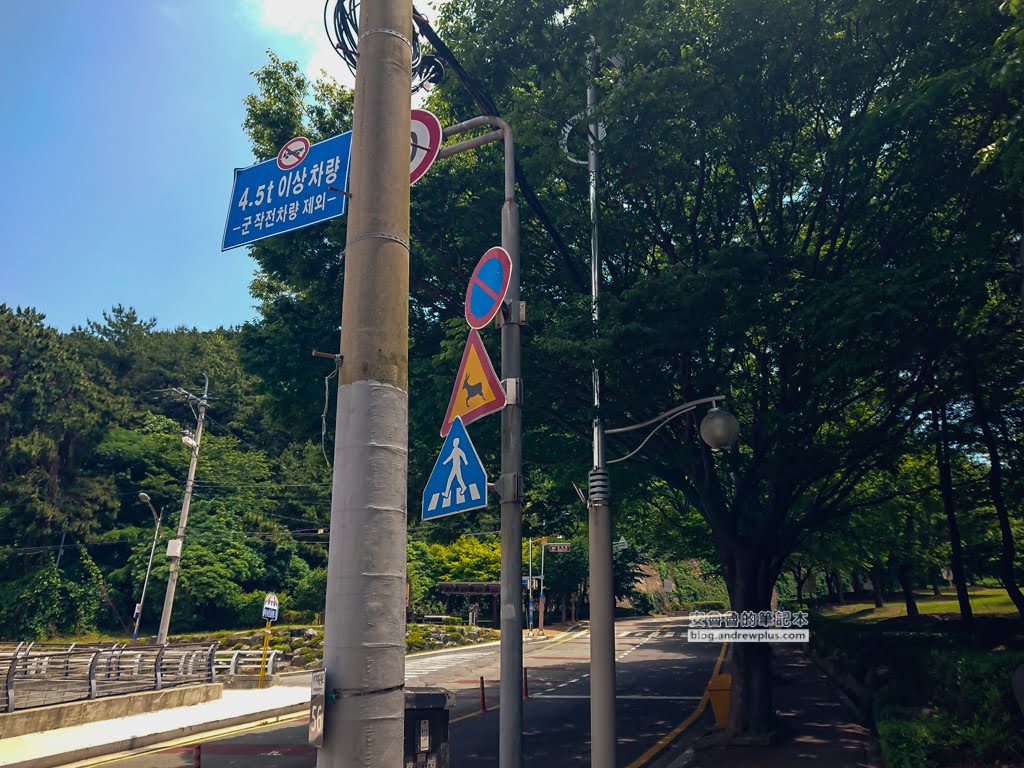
x,y
473,390
477,391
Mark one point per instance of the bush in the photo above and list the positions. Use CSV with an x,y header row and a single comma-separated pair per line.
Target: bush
x,y
647,603
415,639
904,743
47,603
942,698
976,714
310,593
451,621
697,582
709,605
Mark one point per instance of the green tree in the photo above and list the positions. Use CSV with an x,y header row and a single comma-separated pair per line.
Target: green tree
x,y
766,227
52,417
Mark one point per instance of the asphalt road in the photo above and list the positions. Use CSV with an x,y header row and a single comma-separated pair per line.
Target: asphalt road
x,y
660,680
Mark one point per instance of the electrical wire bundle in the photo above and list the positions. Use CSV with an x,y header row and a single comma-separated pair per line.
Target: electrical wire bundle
x,y
342,28
427,70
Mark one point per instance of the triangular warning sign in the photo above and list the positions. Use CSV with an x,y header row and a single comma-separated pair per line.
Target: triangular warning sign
x,y
477,390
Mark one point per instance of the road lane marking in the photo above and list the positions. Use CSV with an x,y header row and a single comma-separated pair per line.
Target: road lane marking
x,y
218,733
669,737
619,696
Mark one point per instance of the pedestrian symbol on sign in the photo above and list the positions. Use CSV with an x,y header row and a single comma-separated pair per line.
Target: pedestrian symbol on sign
x,y
457,458
458,482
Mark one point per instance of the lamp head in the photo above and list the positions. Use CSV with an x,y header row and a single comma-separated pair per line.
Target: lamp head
x,y
719,429
144,497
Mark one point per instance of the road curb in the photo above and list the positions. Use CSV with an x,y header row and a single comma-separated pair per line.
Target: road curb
x,y
268,717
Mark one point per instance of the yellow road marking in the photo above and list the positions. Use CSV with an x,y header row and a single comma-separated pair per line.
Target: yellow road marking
x,y
665,740
572,636
188,740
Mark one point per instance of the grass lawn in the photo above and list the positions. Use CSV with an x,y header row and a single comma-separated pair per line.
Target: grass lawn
x,y
985,601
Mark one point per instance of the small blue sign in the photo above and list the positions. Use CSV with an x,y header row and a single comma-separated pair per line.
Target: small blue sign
x,y
304,185
270,607
458,482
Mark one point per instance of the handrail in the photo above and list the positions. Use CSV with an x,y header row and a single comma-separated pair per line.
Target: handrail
x,y
35,679
230,661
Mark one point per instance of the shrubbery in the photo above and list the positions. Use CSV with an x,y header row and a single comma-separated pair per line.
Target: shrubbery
x,y
939,698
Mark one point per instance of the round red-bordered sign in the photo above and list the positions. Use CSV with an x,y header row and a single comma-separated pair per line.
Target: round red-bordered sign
x,y
425,143
488,286
293,153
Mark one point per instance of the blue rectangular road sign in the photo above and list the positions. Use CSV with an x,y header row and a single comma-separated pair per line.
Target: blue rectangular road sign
x,y
267,200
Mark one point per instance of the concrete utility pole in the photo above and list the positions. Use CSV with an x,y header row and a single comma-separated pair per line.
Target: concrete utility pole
x,y
602,593
364,627
174,546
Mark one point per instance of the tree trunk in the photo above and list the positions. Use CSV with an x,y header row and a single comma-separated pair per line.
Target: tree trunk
x,y
903,572
949,505
934,576
1007,555
563,608
1022,250
838,579
907,583
876,585
751,712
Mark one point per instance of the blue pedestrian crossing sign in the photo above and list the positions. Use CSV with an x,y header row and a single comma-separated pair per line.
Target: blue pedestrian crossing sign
x,y
458,482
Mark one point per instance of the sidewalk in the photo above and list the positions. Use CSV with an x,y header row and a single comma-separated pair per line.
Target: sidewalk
x,y
80,742
235,707
818,728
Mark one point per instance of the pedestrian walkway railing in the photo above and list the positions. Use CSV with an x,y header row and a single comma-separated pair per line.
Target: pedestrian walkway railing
x,y
243,662
37,677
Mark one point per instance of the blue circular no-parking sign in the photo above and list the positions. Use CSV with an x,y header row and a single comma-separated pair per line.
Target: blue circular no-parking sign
x,y
487,287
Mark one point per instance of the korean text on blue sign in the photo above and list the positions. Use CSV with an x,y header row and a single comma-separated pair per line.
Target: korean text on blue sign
x,y
267,200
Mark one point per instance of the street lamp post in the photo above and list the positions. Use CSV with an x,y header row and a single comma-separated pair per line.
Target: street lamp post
x,y
540,600
144,498
529,592
719,429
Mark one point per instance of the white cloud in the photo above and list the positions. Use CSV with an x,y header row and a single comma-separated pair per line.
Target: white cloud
x,y
300,24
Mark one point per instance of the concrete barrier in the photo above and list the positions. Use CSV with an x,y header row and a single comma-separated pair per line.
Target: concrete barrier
x,y
43,719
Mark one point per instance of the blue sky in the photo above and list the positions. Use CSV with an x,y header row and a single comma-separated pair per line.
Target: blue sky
x,y
121,126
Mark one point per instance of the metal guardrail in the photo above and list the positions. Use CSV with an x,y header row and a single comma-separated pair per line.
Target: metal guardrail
x,y
245,662
37,678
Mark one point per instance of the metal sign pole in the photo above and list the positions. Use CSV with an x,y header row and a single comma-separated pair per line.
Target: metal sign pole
x,y
263,661
509,486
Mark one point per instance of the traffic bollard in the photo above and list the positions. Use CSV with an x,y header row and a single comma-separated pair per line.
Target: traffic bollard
x,y
526,690
197,756
483,701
